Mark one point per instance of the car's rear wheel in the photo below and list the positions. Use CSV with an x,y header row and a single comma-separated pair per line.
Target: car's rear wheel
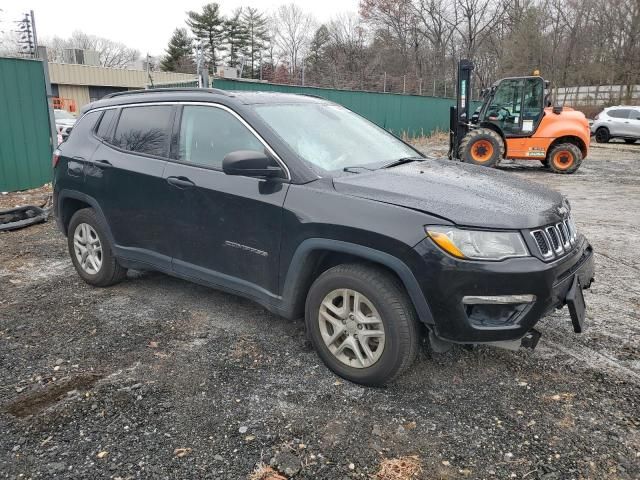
x,y
629,140
362,324
564,158
90,250
602,135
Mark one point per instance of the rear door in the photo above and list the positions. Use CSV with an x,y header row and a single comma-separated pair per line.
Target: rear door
x,y
618,121
634,123
227,229
126,179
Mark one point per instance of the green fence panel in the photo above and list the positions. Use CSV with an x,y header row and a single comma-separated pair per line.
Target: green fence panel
x,y
25,134
412,115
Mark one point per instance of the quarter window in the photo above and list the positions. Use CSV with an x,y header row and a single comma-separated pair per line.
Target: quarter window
x,y
144,129
208,134
105,123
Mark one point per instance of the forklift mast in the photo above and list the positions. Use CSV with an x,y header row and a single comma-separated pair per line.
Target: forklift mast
x,y
459,115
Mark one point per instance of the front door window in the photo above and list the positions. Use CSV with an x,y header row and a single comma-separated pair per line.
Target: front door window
x,y
516,105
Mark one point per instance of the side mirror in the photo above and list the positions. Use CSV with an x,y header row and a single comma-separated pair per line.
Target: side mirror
x,y
557,109
249,163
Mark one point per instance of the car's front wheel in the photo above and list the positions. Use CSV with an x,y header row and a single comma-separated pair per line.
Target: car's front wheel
x,y
362,324
90,250
602,135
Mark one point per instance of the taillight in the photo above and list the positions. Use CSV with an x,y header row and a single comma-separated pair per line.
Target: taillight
x,y
56,158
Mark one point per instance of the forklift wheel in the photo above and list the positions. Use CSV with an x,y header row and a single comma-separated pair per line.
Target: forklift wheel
x,y
564,158
483,147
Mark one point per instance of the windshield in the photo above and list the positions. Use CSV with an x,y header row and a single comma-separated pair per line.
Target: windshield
x,y
332,137
63,115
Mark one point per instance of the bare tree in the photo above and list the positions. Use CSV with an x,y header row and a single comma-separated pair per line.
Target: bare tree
x,y
294,32
110,53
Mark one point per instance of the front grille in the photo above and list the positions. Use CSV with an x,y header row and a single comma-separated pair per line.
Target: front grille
x,y
553,236
554,241
542,242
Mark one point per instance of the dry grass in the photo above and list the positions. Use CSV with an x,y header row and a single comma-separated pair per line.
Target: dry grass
x,y
403,468
434,138
265,472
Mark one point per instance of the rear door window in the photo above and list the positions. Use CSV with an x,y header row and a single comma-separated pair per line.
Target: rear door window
x,y
145,129
208,134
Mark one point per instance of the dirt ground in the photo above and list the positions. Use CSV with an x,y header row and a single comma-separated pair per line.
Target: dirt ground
x,y
160,378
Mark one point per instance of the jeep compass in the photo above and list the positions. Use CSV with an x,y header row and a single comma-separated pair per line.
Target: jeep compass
x,y
310,210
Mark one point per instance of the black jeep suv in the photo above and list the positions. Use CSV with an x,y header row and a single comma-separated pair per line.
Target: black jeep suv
x,y
309,209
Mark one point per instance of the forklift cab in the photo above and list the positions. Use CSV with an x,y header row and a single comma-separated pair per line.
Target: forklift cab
x,y
514,105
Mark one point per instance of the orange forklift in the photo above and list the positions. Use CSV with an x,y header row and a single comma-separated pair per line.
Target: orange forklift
x,y
516,121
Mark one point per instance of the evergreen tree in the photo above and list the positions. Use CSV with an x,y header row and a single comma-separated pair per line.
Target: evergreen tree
x,y
236,37
255,23
208,27
179,57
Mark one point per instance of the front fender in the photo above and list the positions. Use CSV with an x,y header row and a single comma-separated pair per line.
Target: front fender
x,y
302,266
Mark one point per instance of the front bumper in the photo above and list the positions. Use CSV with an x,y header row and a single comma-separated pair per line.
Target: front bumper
x,y
446,280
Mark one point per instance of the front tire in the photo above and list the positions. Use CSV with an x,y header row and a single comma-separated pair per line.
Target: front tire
x,y
362,324
482,146
602,135
91,251
564,158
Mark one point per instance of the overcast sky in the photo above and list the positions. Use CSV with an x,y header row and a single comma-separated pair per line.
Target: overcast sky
x,y
143,24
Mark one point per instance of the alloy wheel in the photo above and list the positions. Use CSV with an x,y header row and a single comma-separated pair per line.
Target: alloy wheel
x,y
351,328
88,248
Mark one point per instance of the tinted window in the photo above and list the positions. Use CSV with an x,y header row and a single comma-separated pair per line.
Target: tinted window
x,y
105,123
208,134
619,113
635,114
144,129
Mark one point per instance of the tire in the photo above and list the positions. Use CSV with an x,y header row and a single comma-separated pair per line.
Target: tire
x,y
564,158
394,309
629,140
602,135
482,146
85,227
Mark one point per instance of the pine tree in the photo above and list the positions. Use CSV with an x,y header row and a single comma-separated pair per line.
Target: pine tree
x,y
179,57
236,37
255,24
208,27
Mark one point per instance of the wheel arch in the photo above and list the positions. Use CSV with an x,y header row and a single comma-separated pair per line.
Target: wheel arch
x,y
316,255
69,202
577,141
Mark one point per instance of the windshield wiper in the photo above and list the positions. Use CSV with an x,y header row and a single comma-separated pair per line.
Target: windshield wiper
x,y
356,168
402,161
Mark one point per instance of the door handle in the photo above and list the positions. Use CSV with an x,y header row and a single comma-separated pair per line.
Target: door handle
x,y
103,164
180,182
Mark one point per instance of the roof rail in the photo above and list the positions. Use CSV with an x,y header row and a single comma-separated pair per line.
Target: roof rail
x,y
168,89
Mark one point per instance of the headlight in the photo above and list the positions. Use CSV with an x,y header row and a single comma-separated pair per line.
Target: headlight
x,y
478,244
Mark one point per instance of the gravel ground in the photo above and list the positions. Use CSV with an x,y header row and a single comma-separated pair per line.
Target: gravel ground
x,y
160,378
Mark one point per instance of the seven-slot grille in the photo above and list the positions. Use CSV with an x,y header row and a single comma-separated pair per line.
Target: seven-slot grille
x,y
554,241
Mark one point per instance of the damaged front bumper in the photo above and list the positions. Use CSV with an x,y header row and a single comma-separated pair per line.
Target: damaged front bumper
x,y
499,303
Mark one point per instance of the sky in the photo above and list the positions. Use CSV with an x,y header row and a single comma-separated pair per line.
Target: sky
x,y
146,25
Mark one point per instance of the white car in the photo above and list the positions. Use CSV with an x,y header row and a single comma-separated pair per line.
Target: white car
x,y
617,122
64,122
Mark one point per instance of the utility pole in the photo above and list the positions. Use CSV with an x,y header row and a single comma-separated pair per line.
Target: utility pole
x,y
404,84
384,87
27,38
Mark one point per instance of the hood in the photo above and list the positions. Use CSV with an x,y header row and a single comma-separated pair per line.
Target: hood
x,y
464,194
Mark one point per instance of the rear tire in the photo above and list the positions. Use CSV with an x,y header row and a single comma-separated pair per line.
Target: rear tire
x,y
99,267
629,140
482,146
379,296
564,158
602,135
